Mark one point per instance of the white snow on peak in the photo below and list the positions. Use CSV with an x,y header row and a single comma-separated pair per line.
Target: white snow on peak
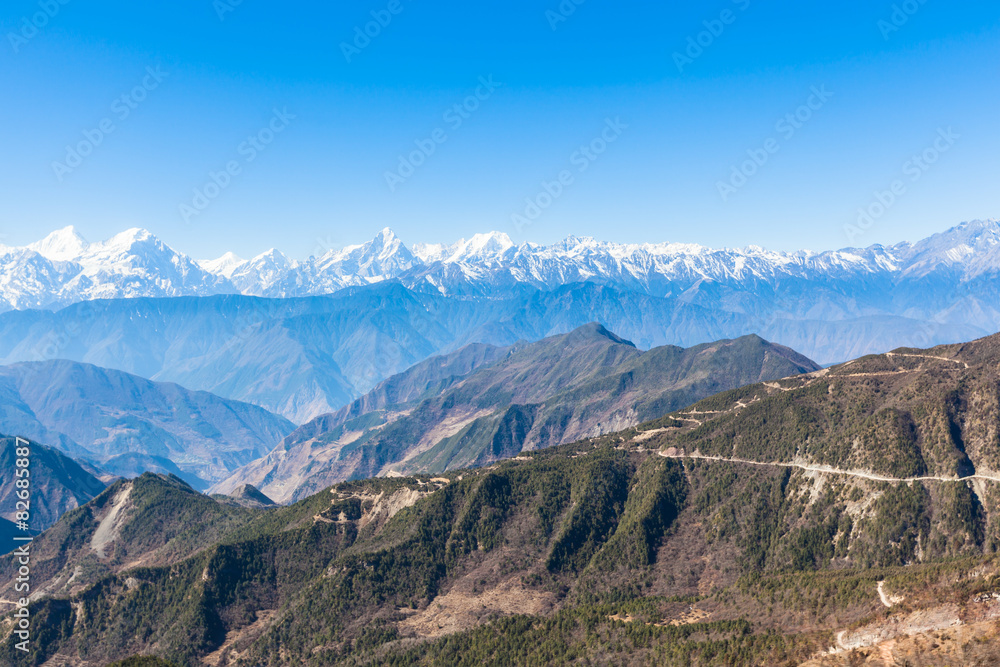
x,y
129,248
62,245
969,248
127,239
428,253
272,256
223,266
482,247
64,268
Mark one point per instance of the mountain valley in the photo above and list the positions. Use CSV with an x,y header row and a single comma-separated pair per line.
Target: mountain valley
x,y
834,517
126,425
582,384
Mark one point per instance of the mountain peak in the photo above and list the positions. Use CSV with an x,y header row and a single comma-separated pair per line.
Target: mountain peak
x,y
272,258
272,252
62,245
386,236
594,330
480,247
989,223
383,256
968,232
224,266
129,238
499,238
134,233
956,249
250,494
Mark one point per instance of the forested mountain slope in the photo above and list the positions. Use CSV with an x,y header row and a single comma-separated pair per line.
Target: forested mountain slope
x,y
147,521
585,383
622,548
908,413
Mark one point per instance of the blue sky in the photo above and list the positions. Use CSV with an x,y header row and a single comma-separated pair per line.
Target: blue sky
x,y
681,126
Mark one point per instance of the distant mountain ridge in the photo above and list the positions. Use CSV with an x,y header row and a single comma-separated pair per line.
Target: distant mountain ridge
x,y
582,384
309,356
847,516
942,289
126,424
58,483
64,268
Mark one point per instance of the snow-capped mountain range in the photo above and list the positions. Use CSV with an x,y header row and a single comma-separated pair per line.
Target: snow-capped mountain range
x,y
303,357
63,268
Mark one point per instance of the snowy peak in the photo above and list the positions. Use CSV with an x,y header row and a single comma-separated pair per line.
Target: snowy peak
x,y
133,263
385,237
386,247
428,253
126,243
968,236
130,237
482,247
224,266
970,249
134,250
264,275
64,268
62,245
382,258
272,258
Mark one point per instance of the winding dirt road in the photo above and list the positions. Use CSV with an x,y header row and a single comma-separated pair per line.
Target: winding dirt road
x,y
829,469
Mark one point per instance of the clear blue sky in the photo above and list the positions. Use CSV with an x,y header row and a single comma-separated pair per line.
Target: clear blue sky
x,y
322,181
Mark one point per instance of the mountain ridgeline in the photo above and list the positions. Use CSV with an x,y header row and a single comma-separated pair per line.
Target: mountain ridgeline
x,y
150,519
301,358
846,514
335,326
58,483
905,414
564,388
956,270
127,425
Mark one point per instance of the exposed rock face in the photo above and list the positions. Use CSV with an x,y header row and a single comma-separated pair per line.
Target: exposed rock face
x,y
583,384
